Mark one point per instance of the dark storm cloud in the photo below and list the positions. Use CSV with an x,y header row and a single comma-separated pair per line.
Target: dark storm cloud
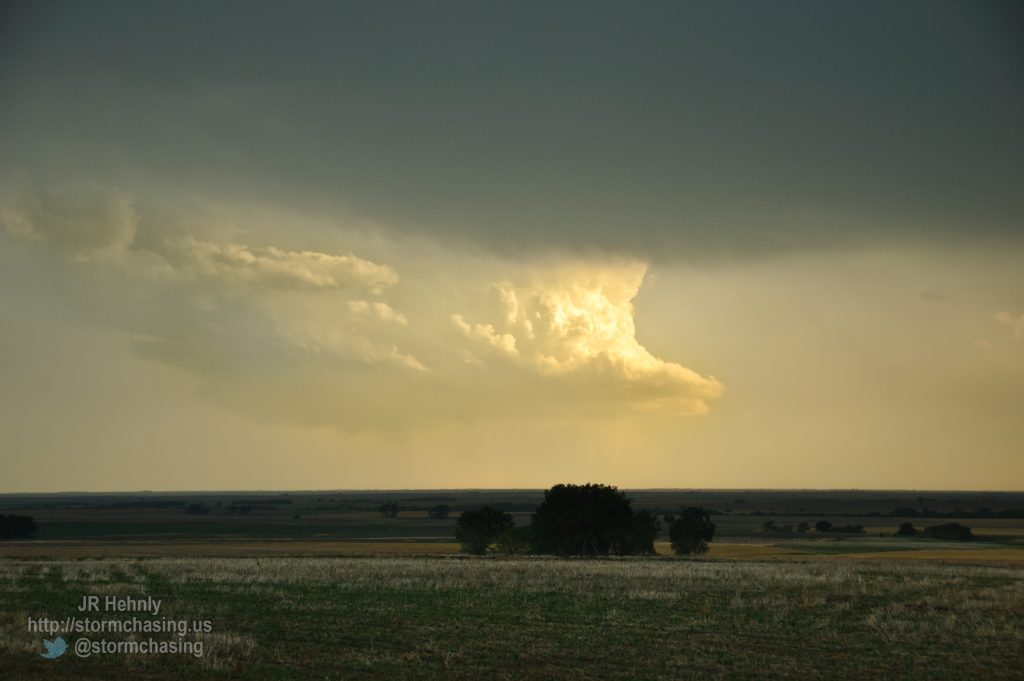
x,y
657,129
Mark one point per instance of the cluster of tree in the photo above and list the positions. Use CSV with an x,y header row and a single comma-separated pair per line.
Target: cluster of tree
x,y
583,520
908,512
826,526
243,507
17,527
515,540
906,530
389,509
690,531
440,511
591,520
476,530
157,505
770,526
948,531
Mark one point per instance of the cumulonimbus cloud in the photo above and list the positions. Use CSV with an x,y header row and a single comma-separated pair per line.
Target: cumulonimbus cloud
x,y
577,323
336,339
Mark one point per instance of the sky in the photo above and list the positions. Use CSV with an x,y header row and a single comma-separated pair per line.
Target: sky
x,y
403,245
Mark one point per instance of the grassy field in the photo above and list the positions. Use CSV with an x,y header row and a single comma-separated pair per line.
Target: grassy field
x,y
535,618
319,585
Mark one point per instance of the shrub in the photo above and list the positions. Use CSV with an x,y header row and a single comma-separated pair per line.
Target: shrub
x,y
823,526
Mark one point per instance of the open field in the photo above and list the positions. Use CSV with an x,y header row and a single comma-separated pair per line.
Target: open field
x,y
534,618
353,516
851,549
320,585
345,523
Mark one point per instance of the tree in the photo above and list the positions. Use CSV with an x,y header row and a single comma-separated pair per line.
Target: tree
x,y
17,527
906,530
768,526
949,531
475,530
646,527
691,531
802,527
823,526
514,540
440,511
584,520
388,510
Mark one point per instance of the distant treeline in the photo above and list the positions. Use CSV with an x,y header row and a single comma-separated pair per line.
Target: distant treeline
x,y
113,505
17,527
904,512
907,512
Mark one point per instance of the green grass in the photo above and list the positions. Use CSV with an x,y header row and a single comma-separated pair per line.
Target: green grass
x,y
460,618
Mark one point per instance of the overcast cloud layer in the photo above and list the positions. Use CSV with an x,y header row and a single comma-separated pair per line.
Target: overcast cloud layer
x,y
461,244
670,129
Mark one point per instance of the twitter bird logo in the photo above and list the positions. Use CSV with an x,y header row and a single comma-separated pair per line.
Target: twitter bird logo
x,y
54,648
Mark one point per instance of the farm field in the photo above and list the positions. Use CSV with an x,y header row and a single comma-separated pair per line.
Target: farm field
x,y
848,549
535,618
321,585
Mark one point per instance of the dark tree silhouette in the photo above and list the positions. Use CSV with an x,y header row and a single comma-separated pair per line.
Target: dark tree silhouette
x,y
583,520
17,527
823,526
950,531
691,531
646,527
515,540
388,510
440,511
906,530
802,527
476,530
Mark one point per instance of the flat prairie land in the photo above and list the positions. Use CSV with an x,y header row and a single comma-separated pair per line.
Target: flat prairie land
x,y
100,549
853,549
530,618
320,585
